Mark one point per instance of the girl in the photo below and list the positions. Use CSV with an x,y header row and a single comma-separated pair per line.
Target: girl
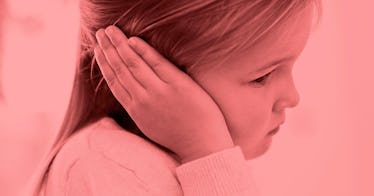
x,y
184,114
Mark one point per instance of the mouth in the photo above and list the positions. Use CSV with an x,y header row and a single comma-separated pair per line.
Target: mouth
x,y
274,131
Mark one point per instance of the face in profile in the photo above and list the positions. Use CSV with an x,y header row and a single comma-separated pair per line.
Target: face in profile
x,y
253,89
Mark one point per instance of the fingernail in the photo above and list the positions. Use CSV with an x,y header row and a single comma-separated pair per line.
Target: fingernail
x,y
99,34
109,29
131,42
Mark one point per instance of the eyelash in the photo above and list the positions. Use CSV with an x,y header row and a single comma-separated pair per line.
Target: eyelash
x,y
262,80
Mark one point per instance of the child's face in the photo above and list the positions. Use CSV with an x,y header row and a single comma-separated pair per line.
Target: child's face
x,y
253,109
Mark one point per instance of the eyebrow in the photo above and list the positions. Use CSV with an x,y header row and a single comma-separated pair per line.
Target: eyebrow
x,y
274,63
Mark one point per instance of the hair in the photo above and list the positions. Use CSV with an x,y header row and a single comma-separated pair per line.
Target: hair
x,y
189,33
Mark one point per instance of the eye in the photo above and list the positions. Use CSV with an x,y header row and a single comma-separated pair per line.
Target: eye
x,y
262,80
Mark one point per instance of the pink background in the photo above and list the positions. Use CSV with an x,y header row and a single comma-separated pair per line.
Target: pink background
x,y
323,149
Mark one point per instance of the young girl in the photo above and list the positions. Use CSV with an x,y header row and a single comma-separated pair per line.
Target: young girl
x,y
174,97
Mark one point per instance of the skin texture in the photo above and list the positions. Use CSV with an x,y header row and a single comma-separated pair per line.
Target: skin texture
x,y
253,109
165,103
201,114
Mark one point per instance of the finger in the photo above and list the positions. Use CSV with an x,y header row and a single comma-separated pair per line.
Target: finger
x,y
118,90
140,70
120,70
166,70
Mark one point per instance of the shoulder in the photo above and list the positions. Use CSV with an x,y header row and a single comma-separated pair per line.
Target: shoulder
x,y
121,146
107,139
104,155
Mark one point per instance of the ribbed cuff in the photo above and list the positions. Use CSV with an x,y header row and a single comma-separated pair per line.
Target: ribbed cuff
x,y
219,174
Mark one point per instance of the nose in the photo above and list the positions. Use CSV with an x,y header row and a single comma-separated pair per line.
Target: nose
x,y
289,97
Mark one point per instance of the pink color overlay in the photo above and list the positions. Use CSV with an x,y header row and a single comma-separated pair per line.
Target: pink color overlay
x,y
324,148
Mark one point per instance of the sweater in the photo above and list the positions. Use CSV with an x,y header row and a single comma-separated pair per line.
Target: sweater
x,y
104,159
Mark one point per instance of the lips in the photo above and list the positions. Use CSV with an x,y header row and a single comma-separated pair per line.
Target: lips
x,y
274,131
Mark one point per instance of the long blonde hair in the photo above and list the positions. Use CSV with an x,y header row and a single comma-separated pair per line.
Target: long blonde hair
x,y
193,34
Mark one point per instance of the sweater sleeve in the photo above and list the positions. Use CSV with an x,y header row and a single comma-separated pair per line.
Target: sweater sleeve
x,y
223,173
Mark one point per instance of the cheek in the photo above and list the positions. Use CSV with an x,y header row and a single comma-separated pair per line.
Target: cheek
x,y
244,116
243,107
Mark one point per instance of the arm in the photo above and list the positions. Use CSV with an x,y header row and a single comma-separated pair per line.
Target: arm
x,y
224,173
147,85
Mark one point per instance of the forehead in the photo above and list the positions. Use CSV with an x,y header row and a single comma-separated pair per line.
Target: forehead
x,y
286,39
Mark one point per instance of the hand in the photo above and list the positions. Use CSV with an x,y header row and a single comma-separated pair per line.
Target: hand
x,y
164,102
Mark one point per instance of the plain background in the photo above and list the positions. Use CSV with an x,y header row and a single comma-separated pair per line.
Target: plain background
x,y
325,148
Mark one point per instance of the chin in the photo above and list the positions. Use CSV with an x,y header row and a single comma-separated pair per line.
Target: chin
x,y
251,154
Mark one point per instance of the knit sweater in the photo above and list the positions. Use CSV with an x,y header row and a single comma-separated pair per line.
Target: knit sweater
x,y
104,159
